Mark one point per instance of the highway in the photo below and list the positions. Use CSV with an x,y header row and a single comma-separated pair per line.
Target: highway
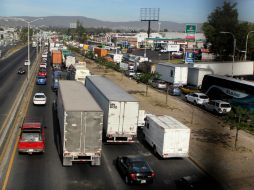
x,y
45,171
10,81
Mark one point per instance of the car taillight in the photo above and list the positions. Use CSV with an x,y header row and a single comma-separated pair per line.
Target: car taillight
x,y
153,174
133,176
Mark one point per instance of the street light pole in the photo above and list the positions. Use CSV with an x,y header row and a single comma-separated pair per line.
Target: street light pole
x,y
28,49
233,49
246,44
28,41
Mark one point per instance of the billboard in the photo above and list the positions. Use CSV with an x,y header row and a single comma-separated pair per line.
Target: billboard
x,y
190,30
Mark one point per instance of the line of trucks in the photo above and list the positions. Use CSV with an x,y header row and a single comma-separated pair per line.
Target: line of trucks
x,y
102,111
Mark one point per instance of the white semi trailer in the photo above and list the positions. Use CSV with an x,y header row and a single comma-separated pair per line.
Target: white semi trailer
x,y
121,110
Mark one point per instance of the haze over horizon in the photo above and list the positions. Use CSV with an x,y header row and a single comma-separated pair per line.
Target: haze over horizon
x,y
195,11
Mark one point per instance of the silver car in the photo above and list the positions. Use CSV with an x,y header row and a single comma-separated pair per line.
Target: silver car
x,y
197,98
218,106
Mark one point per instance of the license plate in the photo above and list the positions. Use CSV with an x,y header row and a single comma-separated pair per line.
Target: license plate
x,y
143,181
30,150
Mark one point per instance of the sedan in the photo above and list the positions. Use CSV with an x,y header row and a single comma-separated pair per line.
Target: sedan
x,y
197,98
39,99
135,169
42,72
41,80
160,84
21,71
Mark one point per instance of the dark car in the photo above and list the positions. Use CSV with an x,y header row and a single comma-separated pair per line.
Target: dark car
x,y
194,182
135,169
21,71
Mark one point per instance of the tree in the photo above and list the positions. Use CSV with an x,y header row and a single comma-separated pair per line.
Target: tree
x,y
23,34
239,119
225,19
145,78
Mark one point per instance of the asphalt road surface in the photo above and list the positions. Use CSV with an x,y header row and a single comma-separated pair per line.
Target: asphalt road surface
x,y
10,81
45,171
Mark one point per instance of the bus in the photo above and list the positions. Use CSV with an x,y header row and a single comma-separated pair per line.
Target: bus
x,y
237,92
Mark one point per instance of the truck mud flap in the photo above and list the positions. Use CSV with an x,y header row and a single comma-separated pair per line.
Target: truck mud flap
x,y
67,161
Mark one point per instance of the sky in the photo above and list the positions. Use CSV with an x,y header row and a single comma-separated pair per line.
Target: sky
x,y
181,11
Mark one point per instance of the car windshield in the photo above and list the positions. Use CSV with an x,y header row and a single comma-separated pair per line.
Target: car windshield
x,y
224,105
203,97
140,166
41,77
39,96
31,137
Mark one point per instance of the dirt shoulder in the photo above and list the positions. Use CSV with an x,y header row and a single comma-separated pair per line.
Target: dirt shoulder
x,y
211,145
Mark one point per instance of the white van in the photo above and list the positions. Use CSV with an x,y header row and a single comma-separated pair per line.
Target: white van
x,y
167,136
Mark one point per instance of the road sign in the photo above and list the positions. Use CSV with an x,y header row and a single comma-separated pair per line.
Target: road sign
x,y
189,57
190,28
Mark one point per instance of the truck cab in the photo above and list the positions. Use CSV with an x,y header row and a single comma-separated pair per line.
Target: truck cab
x,y
32,138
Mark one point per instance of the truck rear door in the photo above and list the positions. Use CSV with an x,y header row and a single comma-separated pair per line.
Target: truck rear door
x,y
73,132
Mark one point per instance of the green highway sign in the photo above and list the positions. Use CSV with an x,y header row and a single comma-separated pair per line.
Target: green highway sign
x,y
190,28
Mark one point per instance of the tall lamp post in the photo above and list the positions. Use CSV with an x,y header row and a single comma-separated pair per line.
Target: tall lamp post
x,y
246,44
28,46
233,49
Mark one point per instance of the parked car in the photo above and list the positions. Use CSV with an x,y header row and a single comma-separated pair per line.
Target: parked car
x,y
136,76
41,80
160,84
21,70
39,98
130,73
218,106
197,98
194,182
174,90
134,169
42,72
32,138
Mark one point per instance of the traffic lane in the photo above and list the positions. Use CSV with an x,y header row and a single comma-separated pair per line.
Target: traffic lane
x,y
11,81
166,170
46,171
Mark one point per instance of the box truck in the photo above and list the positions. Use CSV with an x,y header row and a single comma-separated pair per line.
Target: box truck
x,y
176,74
121,110
70,60
80,119
56,59
100,52
167,136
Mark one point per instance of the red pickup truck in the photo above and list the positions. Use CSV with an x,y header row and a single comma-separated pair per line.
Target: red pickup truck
x,y
32,138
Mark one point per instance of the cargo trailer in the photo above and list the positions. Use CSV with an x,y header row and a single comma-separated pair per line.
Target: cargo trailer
x,y
167,136
176,74
80,119
121,110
